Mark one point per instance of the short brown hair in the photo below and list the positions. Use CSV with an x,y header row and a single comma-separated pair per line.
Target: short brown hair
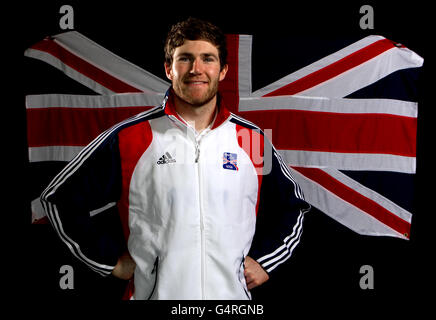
x,y
195,29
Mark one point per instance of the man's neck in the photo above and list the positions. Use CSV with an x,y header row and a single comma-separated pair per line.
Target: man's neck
x,y
199,116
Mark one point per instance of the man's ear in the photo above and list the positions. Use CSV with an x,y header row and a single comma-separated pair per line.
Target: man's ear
x,y
223,72
168,71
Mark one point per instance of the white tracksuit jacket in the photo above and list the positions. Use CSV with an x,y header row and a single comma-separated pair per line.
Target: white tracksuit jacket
x,y
189,208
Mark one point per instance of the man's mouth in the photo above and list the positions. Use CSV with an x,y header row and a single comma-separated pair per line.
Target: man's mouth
x,y
195,82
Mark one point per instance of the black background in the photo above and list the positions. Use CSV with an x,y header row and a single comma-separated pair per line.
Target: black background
x,y
325,266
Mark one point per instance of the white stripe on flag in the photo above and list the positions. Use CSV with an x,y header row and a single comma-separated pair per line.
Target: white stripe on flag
x,y
244,65
93,101
350,161
53,153
336,105
37,210
100,210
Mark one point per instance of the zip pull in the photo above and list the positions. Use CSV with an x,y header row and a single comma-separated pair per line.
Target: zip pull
x,y
156,265
197,152
155,270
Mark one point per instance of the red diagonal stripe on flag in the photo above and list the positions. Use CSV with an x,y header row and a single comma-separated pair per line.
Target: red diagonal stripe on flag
x,y
365,204
356,58
87,69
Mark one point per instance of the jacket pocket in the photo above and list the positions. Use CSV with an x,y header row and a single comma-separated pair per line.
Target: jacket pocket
x,y
154,272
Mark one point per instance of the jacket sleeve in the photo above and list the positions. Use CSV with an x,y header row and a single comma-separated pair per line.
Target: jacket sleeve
x,y
81,204
279,222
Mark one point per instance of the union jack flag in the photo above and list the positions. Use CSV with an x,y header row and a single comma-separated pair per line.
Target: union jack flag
x,y
331,121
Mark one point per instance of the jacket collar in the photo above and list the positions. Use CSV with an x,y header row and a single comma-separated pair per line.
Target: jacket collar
x,y
170,109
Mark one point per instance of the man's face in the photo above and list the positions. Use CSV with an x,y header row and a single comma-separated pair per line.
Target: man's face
x,y
195,72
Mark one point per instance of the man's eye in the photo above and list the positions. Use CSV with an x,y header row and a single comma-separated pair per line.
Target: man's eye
x,y
208,59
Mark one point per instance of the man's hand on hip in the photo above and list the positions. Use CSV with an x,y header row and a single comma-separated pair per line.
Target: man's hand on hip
x,y
254,274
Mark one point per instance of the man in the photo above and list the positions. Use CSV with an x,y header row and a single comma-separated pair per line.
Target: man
x,y
175,198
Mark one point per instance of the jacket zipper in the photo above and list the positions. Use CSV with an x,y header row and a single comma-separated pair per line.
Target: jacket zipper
x,y
197,156
156,271
197,151
202,254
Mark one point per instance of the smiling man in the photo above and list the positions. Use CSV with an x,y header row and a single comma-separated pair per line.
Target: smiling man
x,y
212,223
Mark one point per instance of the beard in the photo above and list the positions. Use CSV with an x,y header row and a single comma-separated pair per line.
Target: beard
x,y
196,97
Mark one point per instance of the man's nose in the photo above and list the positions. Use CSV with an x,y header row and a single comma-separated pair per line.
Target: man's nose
x,y
197,66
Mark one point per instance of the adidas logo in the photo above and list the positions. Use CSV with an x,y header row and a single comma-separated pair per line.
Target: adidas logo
x,y
166,158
